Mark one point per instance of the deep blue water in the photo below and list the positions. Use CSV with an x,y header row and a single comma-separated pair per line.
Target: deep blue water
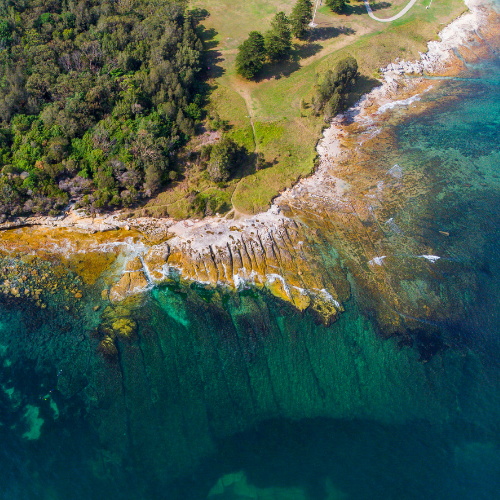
x,y
242,387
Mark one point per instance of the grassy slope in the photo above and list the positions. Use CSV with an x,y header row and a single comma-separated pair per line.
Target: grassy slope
x,y
285,133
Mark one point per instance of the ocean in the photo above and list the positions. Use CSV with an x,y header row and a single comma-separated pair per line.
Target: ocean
x,y
216,394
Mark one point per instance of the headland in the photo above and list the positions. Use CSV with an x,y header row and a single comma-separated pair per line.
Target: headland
x,y
320,238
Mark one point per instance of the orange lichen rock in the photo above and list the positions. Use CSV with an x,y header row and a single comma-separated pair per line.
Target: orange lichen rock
x,y
133,281
155,260
277,254
134,265
267,251
336,229
88,255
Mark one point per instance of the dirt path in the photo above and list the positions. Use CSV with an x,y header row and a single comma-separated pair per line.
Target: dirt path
x,y
246,94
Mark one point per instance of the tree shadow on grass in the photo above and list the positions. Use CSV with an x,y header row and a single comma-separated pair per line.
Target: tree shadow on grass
x,y
250,162
291,64
363,85
208,37
287,66
277,70
213,57
380,5
357,10
322,33
360,8
304,51
199,15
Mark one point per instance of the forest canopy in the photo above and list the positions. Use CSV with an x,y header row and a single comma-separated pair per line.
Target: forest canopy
x,y
95,98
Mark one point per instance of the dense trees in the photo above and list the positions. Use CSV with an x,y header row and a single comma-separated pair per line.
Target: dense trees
x,y
332,91
95,96
251,55
276,42
300,18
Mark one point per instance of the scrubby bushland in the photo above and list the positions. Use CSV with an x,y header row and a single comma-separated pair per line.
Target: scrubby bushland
x,y
223,159
333,90
95,97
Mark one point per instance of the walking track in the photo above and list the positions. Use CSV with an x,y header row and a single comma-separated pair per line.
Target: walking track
x,y
389,19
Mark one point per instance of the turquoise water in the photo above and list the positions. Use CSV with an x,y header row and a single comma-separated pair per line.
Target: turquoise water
x,y
243,387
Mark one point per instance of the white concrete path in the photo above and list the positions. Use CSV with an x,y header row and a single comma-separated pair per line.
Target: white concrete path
x,y
389,19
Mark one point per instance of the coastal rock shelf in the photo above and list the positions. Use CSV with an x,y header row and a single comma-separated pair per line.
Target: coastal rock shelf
x,y
355,225
349,332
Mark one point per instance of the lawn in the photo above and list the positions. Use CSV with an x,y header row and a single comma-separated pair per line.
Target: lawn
x,y
284,131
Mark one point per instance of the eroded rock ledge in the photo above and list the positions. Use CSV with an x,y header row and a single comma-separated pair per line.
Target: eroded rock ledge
x,y
326,233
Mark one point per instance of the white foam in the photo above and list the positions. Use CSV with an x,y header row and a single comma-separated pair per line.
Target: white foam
x,y
430,258
377,260
271,278
328,296
393,226
171,272
396,171
395,104
145,269
243,280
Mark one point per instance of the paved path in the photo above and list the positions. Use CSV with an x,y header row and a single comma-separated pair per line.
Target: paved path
x,y
389,19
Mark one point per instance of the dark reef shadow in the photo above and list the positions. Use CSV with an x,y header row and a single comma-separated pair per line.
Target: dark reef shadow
x,y
312,453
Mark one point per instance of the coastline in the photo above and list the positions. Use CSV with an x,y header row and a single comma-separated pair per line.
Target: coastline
x,y
437,61
343,344
277,249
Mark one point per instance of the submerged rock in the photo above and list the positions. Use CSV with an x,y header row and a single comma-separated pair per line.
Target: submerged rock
x,y
235,486
107,348
125,328
133,281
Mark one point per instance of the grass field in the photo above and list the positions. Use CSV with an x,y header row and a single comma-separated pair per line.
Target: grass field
x,y
283,131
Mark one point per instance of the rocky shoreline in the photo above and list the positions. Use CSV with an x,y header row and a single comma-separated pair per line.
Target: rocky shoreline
x,y
282,249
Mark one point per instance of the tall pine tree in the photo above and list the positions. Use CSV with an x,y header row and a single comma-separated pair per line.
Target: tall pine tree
x,y
251,55
301,16
278,40
336,5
